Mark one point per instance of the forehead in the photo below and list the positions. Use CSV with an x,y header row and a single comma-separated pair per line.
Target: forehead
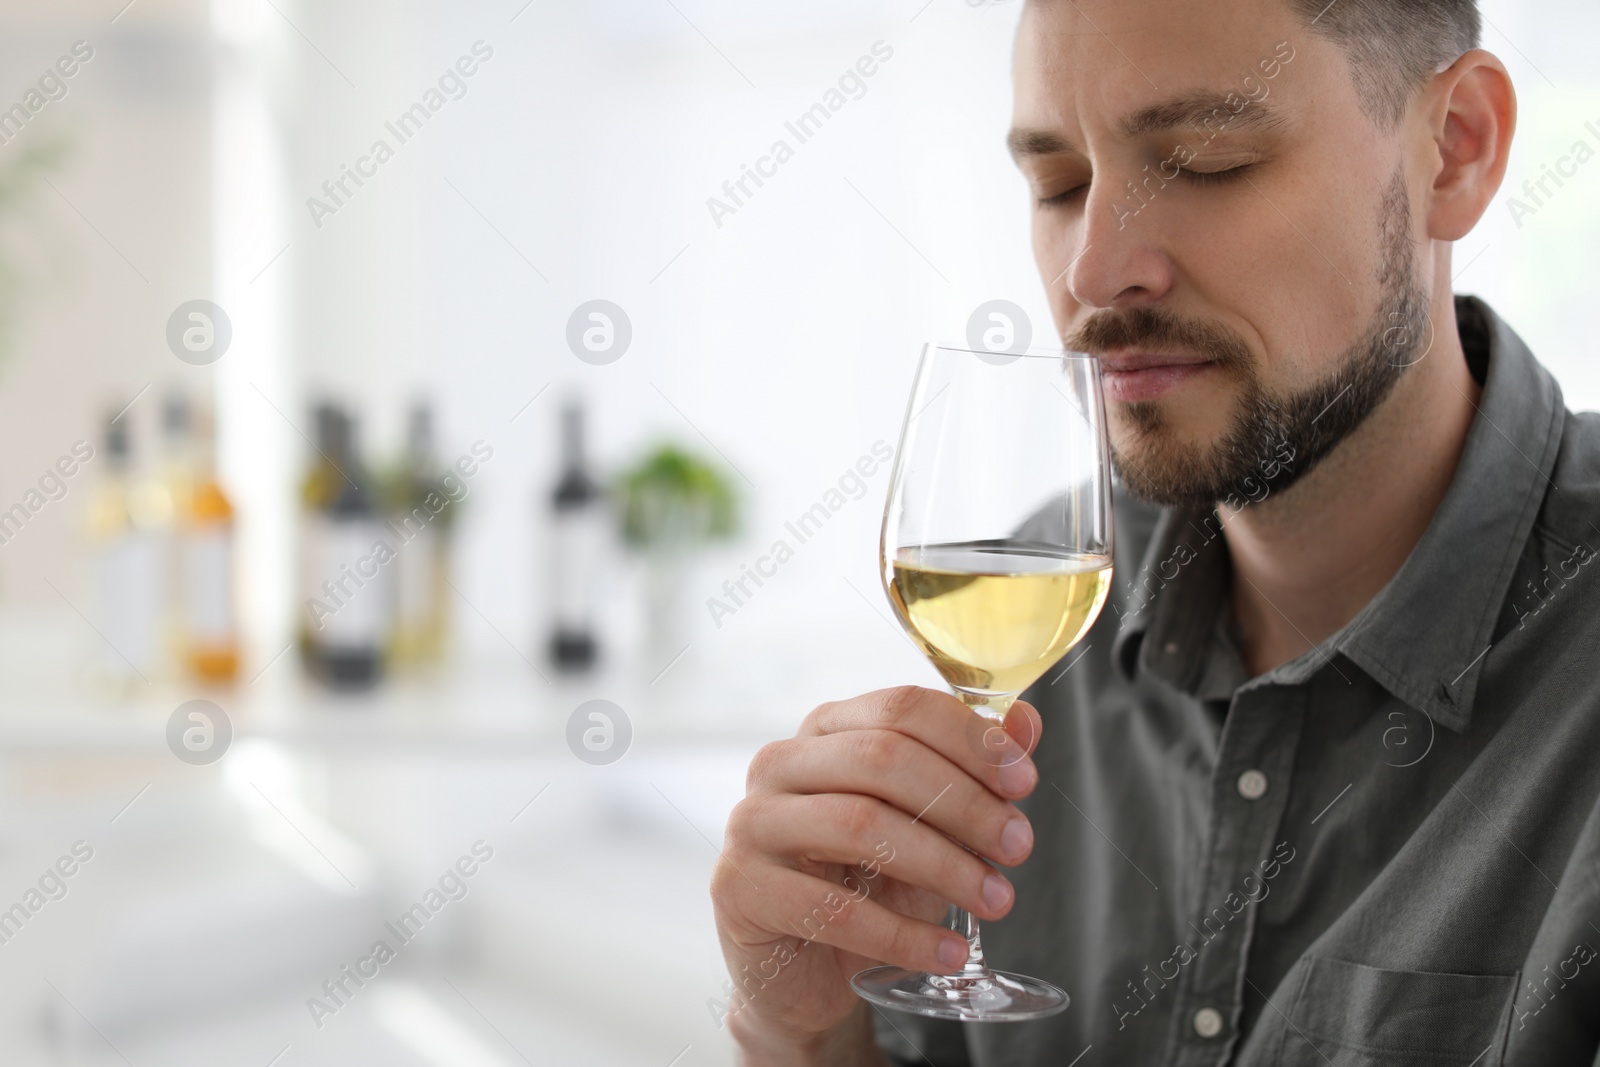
x,y
1097,62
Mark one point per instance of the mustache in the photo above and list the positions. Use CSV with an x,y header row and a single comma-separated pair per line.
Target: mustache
x,y
1156,330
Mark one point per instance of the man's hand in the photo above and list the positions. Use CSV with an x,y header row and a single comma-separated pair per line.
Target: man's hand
x,y
844,854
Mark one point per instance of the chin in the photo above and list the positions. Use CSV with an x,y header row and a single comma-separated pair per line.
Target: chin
x,y
1160,465
1167,427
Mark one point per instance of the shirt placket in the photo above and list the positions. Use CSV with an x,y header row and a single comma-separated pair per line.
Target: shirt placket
x,y
1249,791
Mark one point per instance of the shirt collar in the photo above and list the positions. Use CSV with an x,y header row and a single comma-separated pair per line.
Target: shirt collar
x,y
1424,636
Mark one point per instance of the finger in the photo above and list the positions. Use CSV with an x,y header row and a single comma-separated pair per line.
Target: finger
x,y
873,838
1024,723
977,745
924,786
845,917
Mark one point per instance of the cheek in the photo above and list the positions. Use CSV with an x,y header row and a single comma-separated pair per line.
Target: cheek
x,y
1297,306
1055,241
1045,237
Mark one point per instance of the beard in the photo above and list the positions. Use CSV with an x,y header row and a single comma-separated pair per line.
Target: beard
x,y
1305,424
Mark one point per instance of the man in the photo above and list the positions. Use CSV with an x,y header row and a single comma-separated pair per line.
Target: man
x,y
1323,787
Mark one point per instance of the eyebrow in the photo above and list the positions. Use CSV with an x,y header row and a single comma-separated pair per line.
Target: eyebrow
x,y
1182,112
1025,143
1191,110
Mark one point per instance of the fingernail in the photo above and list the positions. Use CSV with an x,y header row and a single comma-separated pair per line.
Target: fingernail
x,y
952,953
1016,838
1018,777
996,892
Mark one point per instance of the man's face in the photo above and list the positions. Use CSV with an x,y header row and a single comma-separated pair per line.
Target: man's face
x,y
1217,218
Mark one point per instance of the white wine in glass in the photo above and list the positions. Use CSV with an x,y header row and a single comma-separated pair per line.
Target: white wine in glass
x,y
994,615
996,556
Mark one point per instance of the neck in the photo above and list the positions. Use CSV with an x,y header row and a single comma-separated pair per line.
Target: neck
x,y
1307,560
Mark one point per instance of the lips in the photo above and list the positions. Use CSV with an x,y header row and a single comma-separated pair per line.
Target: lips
x,y
1129,377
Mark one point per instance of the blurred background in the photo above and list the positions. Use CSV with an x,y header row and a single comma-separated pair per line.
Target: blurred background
x,y
440,443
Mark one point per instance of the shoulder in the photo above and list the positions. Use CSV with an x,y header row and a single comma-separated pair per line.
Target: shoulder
x,y
1571,508
1566,532
1549,614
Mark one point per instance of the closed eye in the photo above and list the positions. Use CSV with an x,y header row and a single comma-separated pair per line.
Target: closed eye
x,y
1210,177
1060,199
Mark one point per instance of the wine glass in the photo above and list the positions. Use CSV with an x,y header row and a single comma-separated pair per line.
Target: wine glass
x,y
996,555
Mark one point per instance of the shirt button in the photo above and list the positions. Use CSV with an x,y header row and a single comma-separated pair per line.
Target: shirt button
x,y
1172,648
1252,785
1208,1022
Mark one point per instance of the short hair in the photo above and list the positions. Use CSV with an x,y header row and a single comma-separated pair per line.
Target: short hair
x,y
1393,46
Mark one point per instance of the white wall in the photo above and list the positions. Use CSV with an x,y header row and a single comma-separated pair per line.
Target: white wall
x,y
1541,275
103,257
591,142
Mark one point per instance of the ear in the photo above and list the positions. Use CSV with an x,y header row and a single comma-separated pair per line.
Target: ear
x,y
1472,117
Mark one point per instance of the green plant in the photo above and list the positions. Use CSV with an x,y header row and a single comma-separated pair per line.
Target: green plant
x,y
672,499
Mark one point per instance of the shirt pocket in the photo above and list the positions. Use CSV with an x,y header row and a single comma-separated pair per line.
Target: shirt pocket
x,y
1351,1015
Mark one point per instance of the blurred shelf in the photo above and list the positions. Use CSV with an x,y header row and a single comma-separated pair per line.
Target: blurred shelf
x,y
491,706
744,684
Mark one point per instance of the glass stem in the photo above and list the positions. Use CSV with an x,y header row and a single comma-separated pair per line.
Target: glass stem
x,y
992,706
966,924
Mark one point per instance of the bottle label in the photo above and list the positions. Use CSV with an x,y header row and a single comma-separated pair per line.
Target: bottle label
x,y
208,585
578,537
349,580
417,570
131,579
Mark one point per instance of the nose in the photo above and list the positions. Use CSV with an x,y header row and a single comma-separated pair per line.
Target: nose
x,y
1120,262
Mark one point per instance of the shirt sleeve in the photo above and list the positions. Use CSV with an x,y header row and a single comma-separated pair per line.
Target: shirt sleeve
x,y
915,1041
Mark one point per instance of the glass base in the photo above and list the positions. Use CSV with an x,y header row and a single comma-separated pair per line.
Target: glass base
x,y
993,997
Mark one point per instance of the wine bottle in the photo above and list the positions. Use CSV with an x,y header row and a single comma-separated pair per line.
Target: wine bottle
x,y
128,577
421,517
577,531
210,624
164,496
175,472
348,609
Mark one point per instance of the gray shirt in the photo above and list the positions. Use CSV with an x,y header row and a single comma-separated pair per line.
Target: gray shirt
x,y
1386,851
